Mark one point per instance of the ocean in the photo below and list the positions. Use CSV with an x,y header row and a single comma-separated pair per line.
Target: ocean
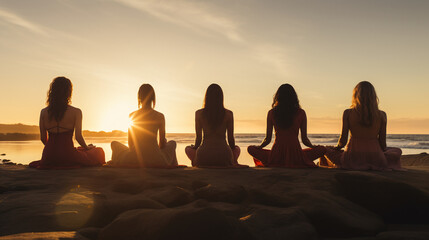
x,y
26,151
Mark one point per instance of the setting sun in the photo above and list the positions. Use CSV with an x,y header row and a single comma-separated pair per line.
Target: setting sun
x,y
116,117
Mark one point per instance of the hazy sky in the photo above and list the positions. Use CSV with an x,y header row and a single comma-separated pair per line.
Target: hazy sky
x,y
108,48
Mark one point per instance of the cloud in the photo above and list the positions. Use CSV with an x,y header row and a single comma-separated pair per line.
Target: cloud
x,y
194,15
13,19
203,19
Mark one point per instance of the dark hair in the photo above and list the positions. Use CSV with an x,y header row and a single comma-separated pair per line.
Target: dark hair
x,y
213,110
59,96
285,105
146,96
365,102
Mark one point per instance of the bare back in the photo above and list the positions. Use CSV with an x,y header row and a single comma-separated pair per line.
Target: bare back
x,y
214,150
72,120
67,123
360,131
144,131
218,133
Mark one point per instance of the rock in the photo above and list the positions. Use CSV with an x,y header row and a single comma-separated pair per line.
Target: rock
x,y
186,222
231,194
229,209
403,235
3,154
396,202
172,196
131,187
421,159
333,216
279,223
270,199
74,210
198,184
5,160
353,238
90,233
107,210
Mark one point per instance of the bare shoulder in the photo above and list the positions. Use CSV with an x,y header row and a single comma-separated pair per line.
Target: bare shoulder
x,y
133,114
228,113
199,112
347,112
158,115
74,110
383,115
44,111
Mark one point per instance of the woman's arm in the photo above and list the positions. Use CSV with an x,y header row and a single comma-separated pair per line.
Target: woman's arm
x,y
382,133
269,130
345,131
162,140
198,130
303,127
78,129
42,128
230,130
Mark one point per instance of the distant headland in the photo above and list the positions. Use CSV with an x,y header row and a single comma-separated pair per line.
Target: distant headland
x,y
23,132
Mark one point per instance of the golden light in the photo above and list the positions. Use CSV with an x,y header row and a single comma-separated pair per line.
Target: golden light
x,y
115,116
75,208
130,123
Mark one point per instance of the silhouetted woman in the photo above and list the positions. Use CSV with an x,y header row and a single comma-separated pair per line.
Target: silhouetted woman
x,y
214,121
366,149
57,123
144,149
287,118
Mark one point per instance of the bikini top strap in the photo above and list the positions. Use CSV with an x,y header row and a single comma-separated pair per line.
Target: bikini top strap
x,y
58,128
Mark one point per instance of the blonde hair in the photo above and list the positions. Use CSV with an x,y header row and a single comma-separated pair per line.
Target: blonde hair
x,y
365,102
146,96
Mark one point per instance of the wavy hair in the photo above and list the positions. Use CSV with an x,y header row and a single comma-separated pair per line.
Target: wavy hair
x,y
146,96
59,96
214,110
365,102
285,106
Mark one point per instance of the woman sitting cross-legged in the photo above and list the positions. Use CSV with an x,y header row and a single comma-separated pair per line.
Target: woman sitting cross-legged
x,y
287,118
144,149
214,121
366,149
57,123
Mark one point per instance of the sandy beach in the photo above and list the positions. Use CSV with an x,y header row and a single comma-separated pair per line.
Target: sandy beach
x,y
193,203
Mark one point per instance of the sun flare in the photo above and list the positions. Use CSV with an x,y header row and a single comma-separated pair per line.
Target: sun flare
x,y
116,117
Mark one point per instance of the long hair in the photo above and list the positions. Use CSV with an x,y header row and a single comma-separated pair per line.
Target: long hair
x,y
146,96
365,102
214,110
59,96
285,105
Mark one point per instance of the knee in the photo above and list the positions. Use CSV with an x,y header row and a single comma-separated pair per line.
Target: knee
x,y
237,149
321,149
114,144
189,149
251,149
398,151
99,149
172,143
